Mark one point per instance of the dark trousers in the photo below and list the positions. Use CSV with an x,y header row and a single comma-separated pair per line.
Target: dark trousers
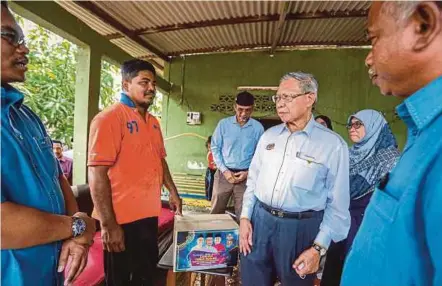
x,y
277,243
136,266
334,262
210,177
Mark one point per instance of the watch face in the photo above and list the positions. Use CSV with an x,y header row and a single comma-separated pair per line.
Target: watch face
x,y
322,251
78,226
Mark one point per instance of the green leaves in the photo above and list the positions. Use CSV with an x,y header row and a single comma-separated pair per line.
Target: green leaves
x,y
49,88
50,80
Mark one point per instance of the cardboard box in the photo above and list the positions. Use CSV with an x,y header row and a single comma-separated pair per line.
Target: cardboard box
x,y
206,241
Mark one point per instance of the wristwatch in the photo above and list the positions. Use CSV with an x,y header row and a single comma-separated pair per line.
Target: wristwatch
x,y
78,226
322,251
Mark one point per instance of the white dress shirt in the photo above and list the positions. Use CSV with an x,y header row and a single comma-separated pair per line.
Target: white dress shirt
x,y
301,171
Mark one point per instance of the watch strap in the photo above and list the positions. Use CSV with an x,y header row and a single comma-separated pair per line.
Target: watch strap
x,y
322,251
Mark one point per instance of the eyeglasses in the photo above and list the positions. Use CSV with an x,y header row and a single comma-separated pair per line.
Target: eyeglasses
x,y
14,38
355,125
287,97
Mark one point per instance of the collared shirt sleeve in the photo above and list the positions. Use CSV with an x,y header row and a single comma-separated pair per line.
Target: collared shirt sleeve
x,y
104,140
216,146
260,130
336,220
249,198
162,148
163,153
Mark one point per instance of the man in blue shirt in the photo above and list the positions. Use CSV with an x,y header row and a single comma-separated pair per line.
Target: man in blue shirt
x,y
297,194
40,223
400,239
233,145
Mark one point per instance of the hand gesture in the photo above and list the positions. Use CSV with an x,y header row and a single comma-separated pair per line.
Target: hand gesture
x,y
240,176
229,176
78,254
307,262
113,238
176,204
245,236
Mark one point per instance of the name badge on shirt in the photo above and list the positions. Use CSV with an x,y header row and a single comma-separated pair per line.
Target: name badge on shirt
x,y
305,157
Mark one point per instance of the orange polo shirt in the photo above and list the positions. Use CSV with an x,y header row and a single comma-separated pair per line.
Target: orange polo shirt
x,y
133,148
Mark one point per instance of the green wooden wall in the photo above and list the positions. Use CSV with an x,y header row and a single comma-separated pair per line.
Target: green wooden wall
x,y
199,80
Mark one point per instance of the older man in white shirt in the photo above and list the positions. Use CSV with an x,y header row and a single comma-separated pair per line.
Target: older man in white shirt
x,y
297,195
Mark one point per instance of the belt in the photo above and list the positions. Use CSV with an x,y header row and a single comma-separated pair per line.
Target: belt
x,y
237,170
284,214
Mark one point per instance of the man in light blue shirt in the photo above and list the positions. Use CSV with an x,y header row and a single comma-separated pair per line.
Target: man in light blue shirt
x,y
400,240
233,145
297,195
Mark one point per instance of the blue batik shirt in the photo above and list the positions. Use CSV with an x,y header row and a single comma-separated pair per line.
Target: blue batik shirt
x,y
29,177
400,239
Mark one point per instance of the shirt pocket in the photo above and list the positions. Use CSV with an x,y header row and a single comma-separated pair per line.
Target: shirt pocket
x,y
306,174
43,146
384,205
376,230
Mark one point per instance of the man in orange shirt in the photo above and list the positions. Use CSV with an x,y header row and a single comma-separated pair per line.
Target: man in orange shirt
x,y
127,169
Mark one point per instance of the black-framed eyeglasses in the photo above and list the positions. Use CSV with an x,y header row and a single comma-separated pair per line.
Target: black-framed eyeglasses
x,y
287,97
355,125
14,38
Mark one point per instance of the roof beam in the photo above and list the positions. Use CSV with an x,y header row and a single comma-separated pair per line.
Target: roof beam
x,y
108,19
282,46
284,9
247,19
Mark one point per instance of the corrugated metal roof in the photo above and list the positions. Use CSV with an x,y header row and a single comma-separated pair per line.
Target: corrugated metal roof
x,y
328,6
165,19
216,37
138,15
130,47
324,31
87,17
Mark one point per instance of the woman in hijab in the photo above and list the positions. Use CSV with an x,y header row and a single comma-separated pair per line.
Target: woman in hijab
x,y
372,156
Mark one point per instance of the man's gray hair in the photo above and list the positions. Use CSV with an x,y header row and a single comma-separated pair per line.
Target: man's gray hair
x,y
402,10
399,10
307,81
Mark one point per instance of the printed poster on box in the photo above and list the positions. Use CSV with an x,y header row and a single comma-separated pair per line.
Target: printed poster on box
x,y
199,250
204,241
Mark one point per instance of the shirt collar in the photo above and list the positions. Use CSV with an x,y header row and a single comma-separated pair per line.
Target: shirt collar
x,y
11,96
423,106
248,123
126,100
62,159
307,129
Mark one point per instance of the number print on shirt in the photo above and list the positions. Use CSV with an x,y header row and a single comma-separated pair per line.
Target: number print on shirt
x,y
130,125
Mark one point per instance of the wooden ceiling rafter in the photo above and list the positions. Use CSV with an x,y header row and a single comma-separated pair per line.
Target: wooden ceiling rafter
x,y
246,19
284,9
125,32
282,46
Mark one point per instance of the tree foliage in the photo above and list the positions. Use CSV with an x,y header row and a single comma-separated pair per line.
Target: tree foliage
x,y
50,81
